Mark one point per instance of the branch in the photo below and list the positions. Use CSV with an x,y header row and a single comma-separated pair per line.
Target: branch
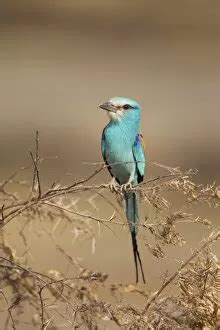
x,y
9,309
212,238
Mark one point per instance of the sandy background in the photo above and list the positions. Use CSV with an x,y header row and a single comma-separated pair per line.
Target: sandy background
x,y
60,59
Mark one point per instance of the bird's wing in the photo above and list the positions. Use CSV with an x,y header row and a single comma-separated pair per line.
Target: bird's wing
x,y
138,152
103,146
104,153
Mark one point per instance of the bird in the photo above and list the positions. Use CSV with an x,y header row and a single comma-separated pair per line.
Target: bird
x,y
122,149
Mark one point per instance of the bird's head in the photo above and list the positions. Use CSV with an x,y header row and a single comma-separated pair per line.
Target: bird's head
x,y
119,108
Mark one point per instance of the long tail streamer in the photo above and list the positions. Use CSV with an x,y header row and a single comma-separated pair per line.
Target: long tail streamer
x,y
131,208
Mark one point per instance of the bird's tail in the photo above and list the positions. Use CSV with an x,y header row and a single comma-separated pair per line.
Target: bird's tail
x,y
131,207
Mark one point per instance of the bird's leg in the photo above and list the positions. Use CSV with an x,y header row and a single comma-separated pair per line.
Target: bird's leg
x,y
113,185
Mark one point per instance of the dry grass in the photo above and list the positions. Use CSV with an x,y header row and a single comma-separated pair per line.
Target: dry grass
x,y
58,301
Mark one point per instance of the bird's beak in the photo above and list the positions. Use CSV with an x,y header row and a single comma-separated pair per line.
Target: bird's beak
x,y
108,106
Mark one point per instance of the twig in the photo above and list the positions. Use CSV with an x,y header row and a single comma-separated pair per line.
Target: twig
x,y
84,215
42,307
36,171
212,238
2,213
9,309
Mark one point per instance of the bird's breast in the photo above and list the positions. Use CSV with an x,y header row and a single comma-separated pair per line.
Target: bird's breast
x,y
119,155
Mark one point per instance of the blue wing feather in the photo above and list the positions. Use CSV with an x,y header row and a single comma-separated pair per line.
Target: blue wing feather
x,y
138,152
103,145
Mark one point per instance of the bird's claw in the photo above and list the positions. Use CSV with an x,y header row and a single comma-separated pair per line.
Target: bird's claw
x,y
126,186
113,186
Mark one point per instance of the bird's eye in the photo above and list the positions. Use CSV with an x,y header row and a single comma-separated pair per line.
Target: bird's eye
x,y
126,106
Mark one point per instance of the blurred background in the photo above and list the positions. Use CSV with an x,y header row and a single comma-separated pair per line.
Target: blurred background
x,y
60,59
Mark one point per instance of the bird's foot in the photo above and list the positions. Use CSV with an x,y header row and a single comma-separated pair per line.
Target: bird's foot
x,y
113,186
126,186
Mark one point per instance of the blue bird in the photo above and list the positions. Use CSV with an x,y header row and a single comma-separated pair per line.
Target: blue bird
x,y
123,152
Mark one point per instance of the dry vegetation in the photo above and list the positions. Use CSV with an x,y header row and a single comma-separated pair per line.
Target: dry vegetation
x,y
55,301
